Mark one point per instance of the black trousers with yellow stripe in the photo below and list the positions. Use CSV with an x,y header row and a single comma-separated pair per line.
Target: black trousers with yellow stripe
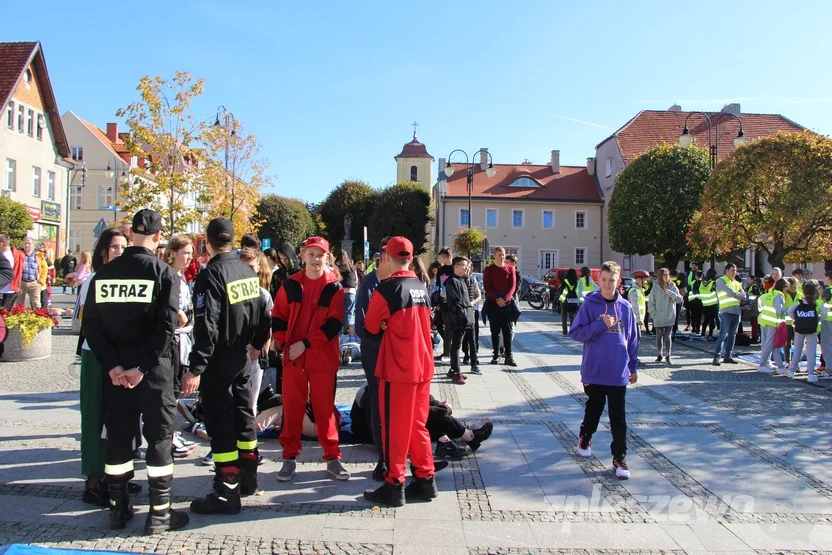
x,y
154,402
226,403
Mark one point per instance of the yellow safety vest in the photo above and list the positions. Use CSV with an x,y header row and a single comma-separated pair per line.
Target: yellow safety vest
x,y
768,315
790,300
642,302
692,295
726,300
707,294
589,287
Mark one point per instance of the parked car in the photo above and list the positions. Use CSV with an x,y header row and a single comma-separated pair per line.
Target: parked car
x,y
555,276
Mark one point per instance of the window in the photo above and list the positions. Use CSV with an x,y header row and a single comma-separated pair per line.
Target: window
x,y
41,126
580,256
36,181
75,240
627,264
10,115
609,167
491,218
27,77
75,199
11,174
464,217
30,123
580,220
50,185
517,219
20,111
548,219
77,153
524,182
414,173
105,197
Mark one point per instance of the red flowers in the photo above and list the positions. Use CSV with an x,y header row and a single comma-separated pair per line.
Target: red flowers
x,y
22,309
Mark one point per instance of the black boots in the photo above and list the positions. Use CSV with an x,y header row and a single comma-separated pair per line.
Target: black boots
x,y
226,495
161,517
248,472
121,510
421,489
387,494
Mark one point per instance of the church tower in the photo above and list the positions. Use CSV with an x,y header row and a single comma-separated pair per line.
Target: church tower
x,y
414,164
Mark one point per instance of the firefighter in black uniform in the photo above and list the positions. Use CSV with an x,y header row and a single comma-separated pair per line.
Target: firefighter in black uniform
x,y
129,319
231,326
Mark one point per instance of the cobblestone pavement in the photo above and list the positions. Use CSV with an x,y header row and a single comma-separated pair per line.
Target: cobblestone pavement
x,y
723,460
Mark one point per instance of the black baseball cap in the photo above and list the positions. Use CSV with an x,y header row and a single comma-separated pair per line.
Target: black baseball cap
x,y
220,229
147,222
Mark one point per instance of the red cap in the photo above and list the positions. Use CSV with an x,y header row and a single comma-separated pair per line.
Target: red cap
x,y
640,274
399,247
319,242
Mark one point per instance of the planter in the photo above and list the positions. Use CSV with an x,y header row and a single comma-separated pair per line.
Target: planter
x,y
16,351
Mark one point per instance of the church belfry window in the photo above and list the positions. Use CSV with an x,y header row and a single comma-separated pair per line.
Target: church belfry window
x,y
414,173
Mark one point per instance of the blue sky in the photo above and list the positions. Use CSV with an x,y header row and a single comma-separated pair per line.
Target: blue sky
x,y
331,87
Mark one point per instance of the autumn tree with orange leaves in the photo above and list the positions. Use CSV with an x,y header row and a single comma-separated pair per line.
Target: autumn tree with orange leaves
x,y
772,195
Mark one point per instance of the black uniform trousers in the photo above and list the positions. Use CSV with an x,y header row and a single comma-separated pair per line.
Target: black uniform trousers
x,y
153,401
226,403
695,314
614,396
500,322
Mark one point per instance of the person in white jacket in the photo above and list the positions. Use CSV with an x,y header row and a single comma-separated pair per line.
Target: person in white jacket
x,y
663,303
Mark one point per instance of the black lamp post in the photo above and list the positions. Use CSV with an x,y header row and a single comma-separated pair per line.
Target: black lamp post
x,y
490,172
686,139
230,126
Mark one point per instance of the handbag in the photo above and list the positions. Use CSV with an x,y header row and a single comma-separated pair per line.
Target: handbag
x,y
781,336
513,310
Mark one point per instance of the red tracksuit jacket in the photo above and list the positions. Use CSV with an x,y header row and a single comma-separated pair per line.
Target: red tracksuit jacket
x,y
406,353
322,352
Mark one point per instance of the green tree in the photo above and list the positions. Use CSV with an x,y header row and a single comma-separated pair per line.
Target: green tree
x,y
773,195
347,198
15,220
283,220
653,202
402,209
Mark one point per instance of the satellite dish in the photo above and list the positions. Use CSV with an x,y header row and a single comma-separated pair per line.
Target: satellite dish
x,y
41,121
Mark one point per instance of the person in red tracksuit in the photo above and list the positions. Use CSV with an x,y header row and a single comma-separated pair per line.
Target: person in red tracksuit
x,y
400,307
307,317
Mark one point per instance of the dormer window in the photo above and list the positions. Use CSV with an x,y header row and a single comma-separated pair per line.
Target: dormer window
x,y
525,182
27,77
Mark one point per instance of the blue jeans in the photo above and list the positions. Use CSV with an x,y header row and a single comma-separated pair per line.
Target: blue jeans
x,y
349,309
728,325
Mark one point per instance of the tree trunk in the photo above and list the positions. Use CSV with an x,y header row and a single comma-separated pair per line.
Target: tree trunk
x,y
775,259
671,260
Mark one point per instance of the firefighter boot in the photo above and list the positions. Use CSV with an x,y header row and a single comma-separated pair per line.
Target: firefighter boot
x,y
121,510
161,517
248,472
226,495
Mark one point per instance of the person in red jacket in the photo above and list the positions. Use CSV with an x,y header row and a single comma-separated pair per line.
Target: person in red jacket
x,y
307,317
400,307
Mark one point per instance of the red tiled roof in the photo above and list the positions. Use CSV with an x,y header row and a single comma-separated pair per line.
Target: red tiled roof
x,y
572,184
414,149
15,57
650,128
117,148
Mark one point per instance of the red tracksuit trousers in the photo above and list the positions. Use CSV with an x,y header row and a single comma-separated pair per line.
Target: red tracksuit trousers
x,y
403,408
298,386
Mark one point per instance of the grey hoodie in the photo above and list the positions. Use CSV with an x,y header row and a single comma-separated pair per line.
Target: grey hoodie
x,y
662,304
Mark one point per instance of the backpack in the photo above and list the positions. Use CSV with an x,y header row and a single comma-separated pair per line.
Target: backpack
x,y
571,300
806,319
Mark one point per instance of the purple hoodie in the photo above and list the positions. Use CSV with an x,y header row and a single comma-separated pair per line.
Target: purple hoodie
x,y
610,355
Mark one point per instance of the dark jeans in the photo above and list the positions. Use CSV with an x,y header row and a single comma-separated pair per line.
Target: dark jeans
x,y
459,338
442,423
448,332
474,340
8,300
695,314
728,324
501,324
369,357
564,315
614,395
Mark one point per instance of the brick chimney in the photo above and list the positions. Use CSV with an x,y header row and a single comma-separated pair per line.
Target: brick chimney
x,y
112,132
556,162
590,166
483,159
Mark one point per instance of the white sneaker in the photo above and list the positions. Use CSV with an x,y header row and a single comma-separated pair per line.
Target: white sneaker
x,y
790,374
584,448
765,369
781,370
812,378
622,471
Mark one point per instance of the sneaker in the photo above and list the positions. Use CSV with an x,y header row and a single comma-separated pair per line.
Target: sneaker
x,y
450,450
179,450
199,431
458,378
765,369
668,360
421,489
781,371
729,360
812,379
139,454
337,470
622,471
379,471
387,494
287,470
481,434
495,360
441,359
790,374
715,362
584,448
182,440
510,362
658,360
476,371
450,373
208,460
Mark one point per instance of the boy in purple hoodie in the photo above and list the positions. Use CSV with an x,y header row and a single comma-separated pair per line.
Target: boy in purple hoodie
x,y
606,325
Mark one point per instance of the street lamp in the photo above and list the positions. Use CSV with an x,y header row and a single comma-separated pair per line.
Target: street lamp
x,y
230,126
686,139
490,172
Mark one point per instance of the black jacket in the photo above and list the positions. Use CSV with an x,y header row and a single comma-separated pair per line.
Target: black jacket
x,y
131,311
282,273
229,311
6,271
459,303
